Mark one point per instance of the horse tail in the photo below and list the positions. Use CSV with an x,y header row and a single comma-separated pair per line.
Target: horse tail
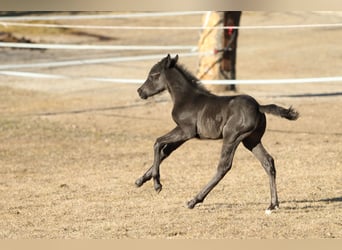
x,y
290,113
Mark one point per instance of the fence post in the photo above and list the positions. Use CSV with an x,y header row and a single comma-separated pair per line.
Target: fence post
x,y
221,65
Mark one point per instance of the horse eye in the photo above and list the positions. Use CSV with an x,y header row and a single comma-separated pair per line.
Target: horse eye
x,y
154,75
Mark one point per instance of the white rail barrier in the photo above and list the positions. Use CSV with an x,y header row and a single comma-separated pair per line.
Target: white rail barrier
x,y
277,81
135,47
139,81
97,61
102,27
95,47
102,16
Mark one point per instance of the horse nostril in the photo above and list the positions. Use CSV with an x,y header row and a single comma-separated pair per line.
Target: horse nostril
x,y
141,94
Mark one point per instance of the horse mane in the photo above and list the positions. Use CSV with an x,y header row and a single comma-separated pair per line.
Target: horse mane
x,y
193,80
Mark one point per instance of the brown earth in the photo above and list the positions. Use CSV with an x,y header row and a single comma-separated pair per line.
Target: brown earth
x,y
70,150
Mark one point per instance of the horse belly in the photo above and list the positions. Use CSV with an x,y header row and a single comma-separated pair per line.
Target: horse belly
x,y
210,128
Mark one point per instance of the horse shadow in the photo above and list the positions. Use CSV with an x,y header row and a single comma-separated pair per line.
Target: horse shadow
x,y
335,199
331,94
306,204
326,200
287,205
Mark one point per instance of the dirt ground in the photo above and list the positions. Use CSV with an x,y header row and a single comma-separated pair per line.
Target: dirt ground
x,y
71,150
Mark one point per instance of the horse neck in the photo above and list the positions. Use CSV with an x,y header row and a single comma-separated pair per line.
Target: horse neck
x,y
179,87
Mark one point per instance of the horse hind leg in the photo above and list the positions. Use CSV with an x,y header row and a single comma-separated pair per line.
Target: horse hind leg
x,y
267,162
231,140
223,168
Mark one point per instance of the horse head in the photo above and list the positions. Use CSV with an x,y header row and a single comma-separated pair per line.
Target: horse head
x,y
156,82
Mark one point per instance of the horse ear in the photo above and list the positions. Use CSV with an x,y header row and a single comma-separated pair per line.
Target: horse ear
x,y
176,59
171,62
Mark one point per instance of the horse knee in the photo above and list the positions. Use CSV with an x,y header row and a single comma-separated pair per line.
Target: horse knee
x,y
166,150
156,145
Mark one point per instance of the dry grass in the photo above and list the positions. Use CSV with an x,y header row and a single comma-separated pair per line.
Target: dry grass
x,y
72,176
69,156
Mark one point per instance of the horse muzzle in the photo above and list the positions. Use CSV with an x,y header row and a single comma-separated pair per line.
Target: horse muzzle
x,y
142,94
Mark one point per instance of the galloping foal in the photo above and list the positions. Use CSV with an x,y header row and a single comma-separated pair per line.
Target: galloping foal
x,y
201,114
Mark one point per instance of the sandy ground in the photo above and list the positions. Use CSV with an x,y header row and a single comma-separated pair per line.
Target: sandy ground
x,y
71,150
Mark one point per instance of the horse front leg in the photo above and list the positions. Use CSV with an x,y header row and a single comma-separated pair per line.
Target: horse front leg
x,y
163,147
176,136
165,152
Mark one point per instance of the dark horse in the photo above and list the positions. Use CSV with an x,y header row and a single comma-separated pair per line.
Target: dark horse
x,y
201,114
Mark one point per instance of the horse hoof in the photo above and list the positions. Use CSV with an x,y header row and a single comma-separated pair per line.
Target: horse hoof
x,y
271,208
191,204
158,188
139,182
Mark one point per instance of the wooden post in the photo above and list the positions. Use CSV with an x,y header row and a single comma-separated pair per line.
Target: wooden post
x,y
221,65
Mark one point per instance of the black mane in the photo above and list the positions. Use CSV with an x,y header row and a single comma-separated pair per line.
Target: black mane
x,y
193,80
